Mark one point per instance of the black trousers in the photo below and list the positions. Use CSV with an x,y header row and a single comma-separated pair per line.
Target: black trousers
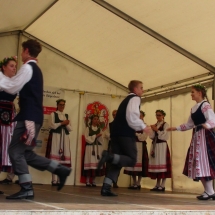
x,y
126,148
22,155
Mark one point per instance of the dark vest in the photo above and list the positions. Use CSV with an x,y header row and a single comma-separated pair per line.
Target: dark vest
x,y
59,129
91,133
198,117
156,134
7,97
120,127
31,98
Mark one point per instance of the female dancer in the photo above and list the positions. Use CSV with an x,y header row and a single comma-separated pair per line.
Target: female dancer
x,y
7,113
159,159
58,146
200,160
93,151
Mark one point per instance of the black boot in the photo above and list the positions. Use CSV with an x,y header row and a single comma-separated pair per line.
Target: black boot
x,y
106,157
62,172
26,192
6,181
106,190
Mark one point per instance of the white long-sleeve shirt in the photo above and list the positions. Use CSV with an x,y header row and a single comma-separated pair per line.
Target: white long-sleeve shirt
x,y
162,135
61,116
208,113
14,84
133,114
91,139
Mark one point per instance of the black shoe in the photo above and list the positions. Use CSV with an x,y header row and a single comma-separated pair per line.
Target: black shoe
x,y
161,189
106,157
154,189
201,195
16,182
6,181
26,192
206,197
106,190
62,172
88,185
93,185
135,187
54,183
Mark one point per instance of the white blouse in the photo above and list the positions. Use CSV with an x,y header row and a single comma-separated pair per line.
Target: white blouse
x,y
91,139
208,113
61,116
162,135
14,84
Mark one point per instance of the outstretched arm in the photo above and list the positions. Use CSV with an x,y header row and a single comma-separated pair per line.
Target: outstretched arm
x,y
184,127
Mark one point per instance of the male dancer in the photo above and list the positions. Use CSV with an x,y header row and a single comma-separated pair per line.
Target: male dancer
x,y
29,83
123,144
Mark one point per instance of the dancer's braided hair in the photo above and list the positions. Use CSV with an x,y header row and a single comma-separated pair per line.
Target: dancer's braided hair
x,y
202,89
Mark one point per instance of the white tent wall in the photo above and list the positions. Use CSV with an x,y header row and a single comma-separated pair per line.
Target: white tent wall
x,y
60,72
8,46
177,110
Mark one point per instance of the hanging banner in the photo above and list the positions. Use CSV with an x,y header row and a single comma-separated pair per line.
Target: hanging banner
x,y
98,109
50,95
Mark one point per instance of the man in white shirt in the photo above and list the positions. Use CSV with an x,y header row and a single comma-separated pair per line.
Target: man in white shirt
x,y
125,124
29,83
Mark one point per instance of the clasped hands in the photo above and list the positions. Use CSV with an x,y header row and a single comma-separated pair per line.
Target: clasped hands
x,y
148,128
99,135
65,122
154,127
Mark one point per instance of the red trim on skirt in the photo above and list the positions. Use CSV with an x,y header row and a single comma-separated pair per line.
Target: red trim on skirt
x,y
145,164
168,173
210,145
49,148
89,172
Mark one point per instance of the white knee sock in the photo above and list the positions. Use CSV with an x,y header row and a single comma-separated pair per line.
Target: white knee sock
x,y
88,179
163,182
209,187
158,182
10,176
134,180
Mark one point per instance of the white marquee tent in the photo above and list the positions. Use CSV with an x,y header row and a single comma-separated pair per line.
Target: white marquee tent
x,y
99,46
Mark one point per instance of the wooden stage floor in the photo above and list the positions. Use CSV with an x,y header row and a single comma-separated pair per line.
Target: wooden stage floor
x,y
85,200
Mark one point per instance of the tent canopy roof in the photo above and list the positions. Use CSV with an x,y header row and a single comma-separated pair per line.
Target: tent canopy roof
x,y
112,46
